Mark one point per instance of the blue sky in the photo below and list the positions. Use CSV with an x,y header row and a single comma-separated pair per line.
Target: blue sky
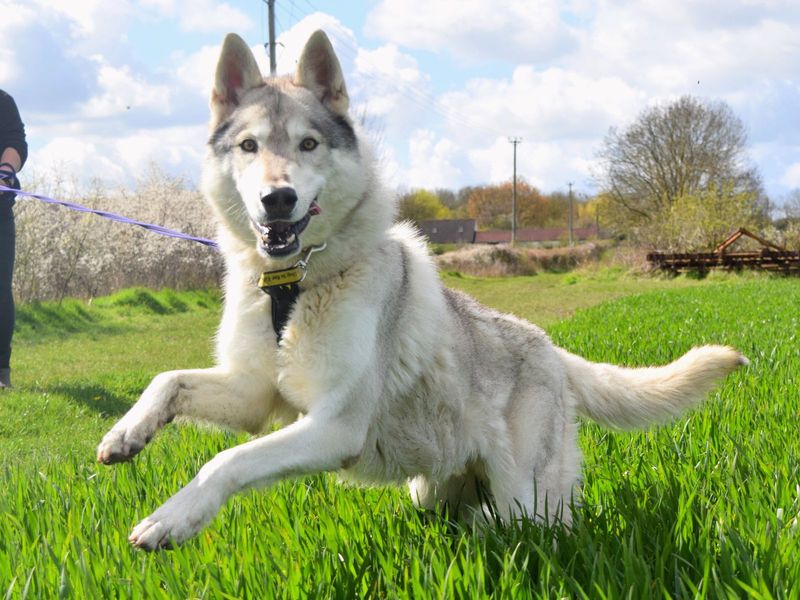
x,y
106,87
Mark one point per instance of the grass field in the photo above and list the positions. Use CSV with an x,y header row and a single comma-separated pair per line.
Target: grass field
x,y
707,507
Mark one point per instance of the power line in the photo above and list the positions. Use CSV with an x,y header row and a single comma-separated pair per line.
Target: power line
x,y
292,11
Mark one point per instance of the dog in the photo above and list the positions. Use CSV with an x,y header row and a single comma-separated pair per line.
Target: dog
x,y
336,326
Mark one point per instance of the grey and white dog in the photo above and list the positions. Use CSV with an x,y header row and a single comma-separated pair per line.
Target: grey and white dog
x,y
376,370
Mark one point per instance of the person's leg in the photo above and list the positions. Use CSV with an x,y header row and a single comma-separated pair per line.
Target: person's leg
x,y
7,239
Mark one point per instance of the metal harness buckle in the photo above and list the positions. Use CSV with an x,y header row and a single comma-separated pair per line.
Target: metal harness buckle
x,y
283,289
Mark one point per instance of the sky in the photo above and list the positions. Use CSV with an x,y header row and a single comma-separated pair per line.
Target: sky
x,y
107,88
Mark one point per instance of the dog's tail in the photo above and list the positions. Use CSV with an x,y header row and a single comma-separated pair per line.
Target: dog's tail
x,y
630,398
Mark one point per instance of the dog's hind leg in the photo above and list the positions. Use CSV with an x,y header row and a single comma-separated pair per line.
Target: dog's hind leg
x,y
527,461
557,477
458,493
234,401
511,484
544,437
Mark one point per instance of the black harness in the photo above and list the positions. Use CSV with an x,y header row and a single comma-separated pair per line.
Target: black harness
x,y
283,287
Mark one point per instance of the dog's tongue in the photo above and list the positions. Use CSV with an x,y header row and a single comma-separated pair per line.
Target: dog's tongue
x,y
314,209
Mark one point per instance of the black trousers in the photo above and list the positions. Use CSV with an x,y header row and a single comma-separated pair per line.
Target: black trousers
x,y
7,240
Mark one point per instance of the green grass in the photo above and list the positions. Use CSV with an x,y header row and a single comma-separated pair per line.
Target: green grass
x,y
706,507
549,297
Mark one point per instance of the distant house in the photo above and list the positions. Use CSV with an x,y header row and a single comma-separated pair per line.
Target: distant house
x,y
449,231
534,235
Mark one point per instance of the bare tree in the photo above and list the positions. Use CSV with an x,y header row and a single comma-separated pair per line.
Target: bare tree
x,y
791,205
674,151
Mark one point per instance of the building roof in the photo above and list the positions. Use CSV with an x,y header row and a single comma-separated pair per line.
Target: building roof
x,y
449,231
531,234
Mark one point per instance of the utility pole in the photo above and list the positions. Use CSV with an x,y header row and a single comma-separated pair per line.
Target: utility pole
x,y
273,65
569,220
515,141
597,218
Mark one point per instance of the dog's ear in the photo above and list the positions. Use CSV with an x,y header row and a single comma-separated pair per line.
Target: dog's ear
x,y
320,72
237,72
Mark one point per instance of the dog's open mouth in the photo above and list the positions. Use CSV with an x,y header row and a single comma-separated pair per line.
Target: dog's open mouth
x,y
282,238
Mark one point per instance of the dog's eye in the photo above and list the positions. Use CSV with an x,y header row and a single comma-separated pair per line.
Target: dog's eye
x,y
308,144
249,145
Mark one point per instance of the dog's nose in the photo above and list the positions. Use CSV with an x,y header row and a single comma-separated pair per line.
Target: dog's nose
x,y
279,203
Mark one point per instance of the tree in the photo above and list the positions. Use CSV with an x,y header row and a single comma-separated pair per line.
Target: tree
x,y
686,149
490,206
701,221
422,205
587,211
536,210
788,225
791,206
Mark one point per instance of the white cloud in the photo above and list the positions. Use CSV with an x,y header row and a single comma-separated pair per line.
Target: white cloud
x,y
182,155
207,15
384,84
544,105
791,176
16,17
121,90
433,162
198,16
80,156
196,71
292,41
38,63
546,165
584,66
390,88
441,162
121,159
679,47
559,74
88,18
473,29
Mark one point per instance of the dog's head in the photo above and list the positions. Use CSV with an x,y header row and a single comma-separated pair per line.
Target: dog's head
x,y
284,165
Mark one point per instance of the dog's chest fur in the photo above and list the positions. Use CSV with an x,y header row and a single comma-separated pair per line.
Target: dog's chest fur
x,y
374,341
316,343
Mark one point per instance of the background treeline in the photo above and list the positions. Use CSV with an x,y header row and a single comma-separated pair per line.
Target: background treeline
x,y
678,178
490,206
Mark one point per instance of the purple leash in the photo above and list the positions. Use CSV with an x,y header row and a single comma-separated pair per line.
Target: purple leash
x,y
112,217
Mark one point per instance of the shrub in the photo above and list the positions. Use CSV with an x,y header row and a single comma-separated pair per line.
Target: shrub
x,y
503,260
63,253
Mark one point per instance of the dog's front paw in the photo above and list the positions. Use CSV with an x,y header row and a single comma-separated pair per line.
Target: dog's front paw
x,y
132,432
122,443
162,532
152,535
181,517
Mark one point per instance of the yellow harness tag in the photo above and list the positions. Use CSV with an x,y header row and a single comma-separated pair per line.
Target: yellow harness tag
x,y
282,277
